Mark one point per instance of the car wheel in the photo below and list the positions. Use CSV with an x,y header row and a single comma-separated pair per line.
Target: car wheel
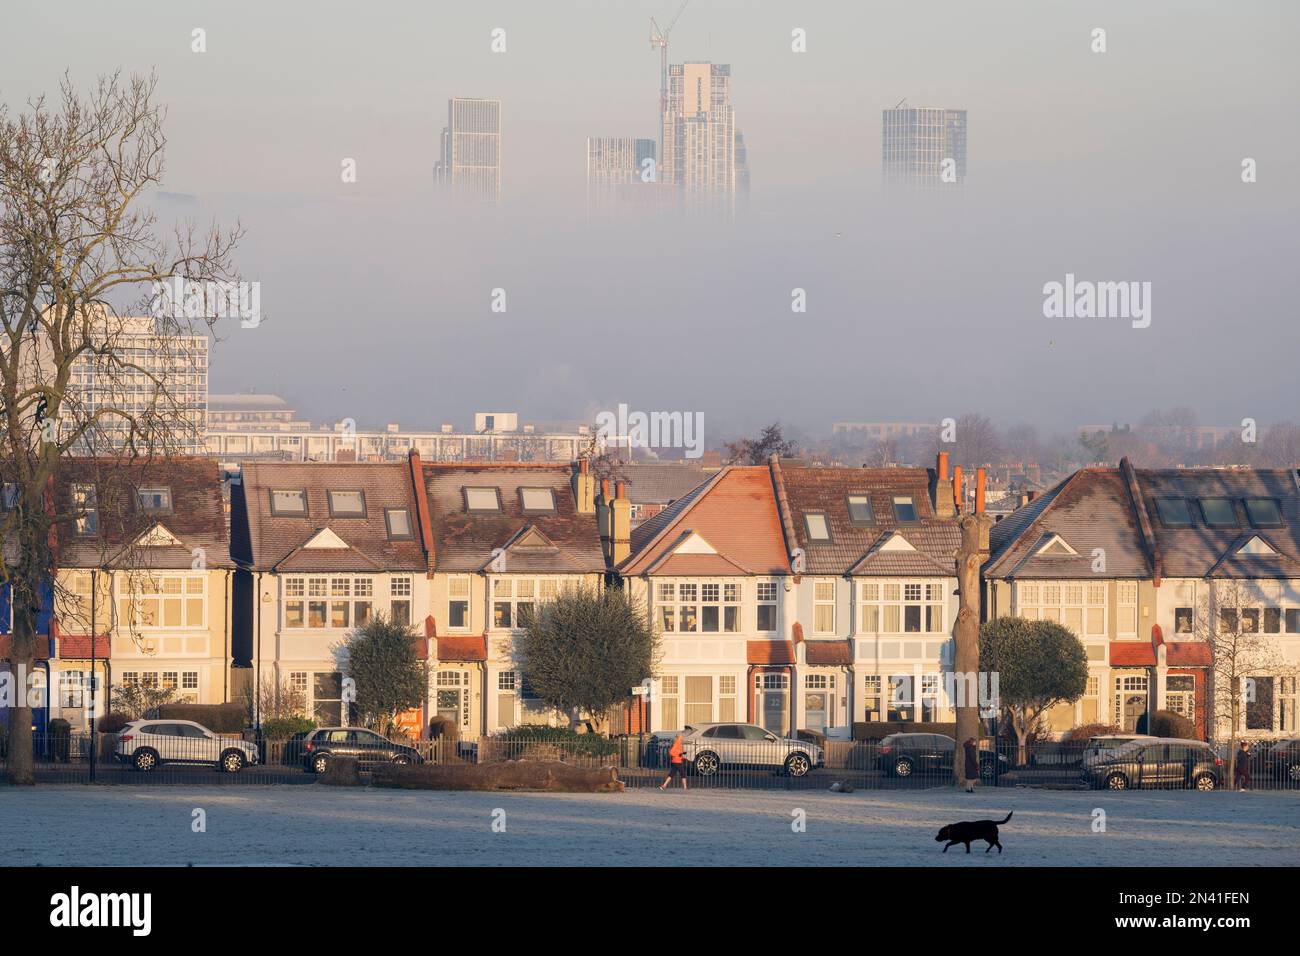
x,y
401,760
145,760
1293,772
987,770
1117,781
232,761
1205,781
796,765
319,763
707,764
903,767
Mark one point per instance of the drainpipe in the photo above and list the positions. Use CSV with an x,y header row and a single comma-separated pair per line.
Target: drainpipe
x,y
257,666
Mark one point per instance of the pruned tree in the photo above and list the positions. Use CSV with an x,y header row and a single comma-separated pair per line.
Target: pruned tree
x,y
1038,664
584,652
1245,652
757,450
388,675
82,260
136,699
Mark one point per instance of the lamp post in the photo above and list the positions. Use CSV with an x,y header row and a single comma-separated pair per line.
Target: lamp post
x,y
94,620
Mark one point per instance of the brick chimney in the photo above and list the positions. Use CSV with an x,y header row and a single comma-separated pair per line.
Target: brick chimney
x,y
984,526
584,488
944,506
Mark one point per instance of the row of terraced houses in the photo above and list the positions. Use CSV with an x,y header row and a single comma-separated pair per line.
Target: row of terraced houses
x,y
790,596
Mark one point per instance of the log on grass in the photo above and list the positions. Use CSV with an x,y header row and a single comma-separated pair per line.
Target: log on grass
x,y
341,772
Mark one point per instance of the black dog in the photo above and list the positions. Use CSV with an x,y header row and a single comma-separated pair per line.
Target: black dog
x,y
986,830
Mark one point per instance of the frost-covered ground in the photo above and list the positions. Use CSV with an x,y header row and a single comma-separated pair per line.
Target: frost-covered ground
x,y
318,825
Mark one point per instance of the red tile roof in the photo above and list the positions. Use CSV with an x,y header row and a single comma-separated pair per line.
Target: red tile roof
x,y
1142,654
735,512
769,652
828,652
77,646
468,648
7,647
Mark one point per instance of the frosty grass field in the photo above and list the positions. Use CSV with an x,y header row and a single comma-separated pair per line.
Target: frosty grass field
x,y
322,826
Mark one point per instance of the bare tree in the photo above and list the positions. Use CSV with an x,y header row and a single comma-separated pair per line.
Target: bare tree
x,y
77,243
756,451
1231,620
1280,446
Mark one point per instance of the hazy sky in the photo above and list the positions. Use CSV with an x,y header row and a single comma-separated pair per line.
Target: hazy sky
x,y
1118,166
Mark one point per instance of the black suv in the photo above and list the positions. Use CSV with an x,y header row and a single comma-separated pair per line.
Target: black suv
x,y
1168,763
368,747
929,755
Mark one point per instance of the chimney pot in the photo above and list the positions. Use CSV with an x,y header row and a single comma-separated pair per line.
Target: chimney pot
x,y
604,488
942,466
979,491
620,489
958,492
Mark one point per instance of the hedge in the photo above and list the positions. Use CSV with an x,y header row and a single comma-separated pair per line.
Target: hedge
x,y
219,718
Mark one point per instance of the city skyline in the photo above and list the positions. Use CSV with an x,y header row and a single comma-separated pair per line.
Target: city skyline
x,y
1101,169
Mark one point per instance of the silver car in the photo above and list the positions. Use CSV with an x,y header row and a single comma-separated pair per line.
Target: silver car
x,y
1104,746
146,744
710,747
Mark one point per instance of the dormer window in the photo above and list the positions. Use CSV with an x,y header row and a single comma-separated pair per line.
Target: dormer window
x,y
1174,512
347,504
905,510
1219,512
398,521
860,509
154,500
86,503
536,501
1264,512
482,500
819,529
290,502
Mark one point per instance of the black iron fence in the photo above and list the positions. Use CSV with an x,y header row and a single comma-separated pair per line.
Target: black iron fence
x,y
898,762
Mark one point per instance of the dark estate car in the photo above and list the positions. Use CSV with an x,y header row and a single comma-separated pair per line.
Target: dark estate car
x,y
368,747
1283,759
919,755
1168,763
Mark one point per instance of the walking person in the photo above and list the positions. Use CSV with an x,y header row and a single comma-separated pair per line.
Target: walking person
x,y
972,751
676,764
1241,773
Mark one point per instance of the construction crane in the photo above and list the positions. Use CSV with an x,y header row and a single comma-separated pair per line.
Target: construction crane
x,y
659,38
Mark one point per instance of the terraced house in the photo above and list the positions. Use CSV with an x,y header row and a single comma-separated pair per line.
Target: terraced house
x,y
323,548
875,593
503,538
714,572
145,574
1184,586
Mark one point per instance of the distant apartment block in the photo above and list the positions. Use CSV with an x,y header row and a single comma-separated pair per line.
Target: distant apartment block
x,y
1197,437
918,143
699,135
470,162
884,429
157,381
615,168
257,436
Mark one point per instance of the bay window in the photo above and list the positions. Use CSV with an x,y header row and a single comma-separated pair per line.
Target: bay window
x,y
699,607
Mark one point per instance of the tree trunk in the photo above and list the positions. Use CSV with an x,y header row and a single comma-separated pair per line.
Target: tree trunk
x,y
966,640
22,664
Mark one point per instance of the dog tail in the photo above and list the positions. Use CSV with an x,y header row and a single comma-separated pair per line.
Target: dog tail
x,y
1006,818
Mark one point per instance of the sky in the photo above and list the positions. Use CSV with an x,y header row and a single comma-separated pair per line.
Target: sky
x,y
376,294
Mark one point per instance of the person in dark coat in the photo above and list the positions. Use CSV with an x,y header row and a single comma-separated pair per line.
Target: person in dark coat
x,y
972,763
1241,772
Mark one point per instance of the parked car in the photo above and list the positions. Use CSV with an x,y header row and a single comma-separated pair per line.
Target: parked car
x,y
909,755
369,748
1107,745
1283,760
147,744
710,747
1164,763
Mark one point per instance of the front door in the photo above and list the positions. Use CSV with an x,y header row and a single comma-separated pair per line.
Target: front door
x,y
452,697
1130,701
773,692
